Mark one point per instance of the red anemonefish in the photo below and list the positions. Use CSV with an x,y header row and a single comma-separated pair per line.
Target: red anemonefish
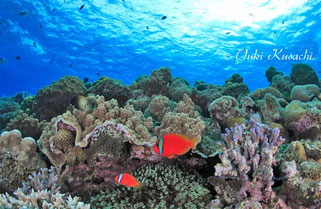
x,y
128,180
174,144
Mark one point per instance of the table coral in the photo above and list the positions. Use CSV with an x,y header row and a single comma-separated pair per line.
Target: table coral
x,y
53,100
183,120
165,186
18,159
248,156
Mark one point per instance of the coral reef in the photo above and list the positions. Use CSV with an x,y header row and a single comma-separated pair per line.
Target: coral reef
x,y
302,74
235,87
183,120
53,100
8,107
283,84
305,93
247,160
18,159
270,109
26,124
110,89
225,107
165,186
41,191
159,106
271,72
178,88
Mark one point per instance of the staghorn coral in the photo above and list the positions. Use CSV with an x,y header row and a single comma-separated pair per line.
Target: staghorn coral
x,y
305,93
18,159
183,120
225,107
27,125
41,191
302,74
248,157
159,106
110,89
53,100
165,186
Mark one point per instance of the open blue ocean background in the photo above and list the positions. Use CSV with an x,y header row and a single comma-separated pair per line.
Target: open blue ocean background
x,y
41,41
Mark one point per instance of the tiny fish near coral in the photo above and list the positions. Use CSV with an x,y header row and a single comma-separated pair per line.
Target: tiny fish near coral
x,y
128,180
174,144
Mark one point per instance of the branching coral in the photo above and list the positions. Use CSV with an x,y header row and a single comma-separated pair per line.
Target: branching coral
x,y
248,157
165,186
18,159
183,120
41,191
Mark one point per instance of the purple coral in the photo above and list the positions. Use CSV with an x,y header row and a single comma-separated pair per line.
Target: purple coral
x,y
248,156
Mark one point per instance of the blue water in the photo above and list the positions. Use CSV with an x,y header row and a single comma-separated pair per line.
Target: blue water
x,y
123,39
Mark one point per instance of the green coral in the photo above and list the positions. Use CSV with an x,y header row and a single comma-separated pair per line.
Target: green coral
x,y
271,72
54,99
235,78
302,74
110,89
178,88
165,186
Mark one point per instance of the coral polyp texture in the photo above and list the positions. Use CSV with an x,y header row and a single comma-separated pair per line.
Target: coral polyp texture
x,y
65,146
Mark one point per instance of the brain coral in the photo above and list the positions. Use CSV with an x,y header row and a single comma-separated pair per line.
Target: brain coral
x,y
54,99
165,186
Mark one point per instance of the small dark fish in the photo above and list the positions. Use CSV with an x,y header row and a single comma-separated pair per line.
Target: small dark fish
x,y
2,60
147,27
35,44
251,14
54,9
18,57
86,80
274,32
40,26
70,65
164,17
319,71
51,60
282,178
227,33
22,13
82,6
98,74
283,22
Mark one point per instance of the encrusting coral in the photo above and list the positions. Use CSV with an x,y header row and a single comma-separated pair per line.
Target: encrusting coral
x,y
18,159
41,191
247,160
165,186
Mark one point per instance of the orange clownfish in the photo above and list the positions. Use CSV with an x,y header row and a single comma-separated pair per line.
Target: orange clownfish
x,y
128,180
174,144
